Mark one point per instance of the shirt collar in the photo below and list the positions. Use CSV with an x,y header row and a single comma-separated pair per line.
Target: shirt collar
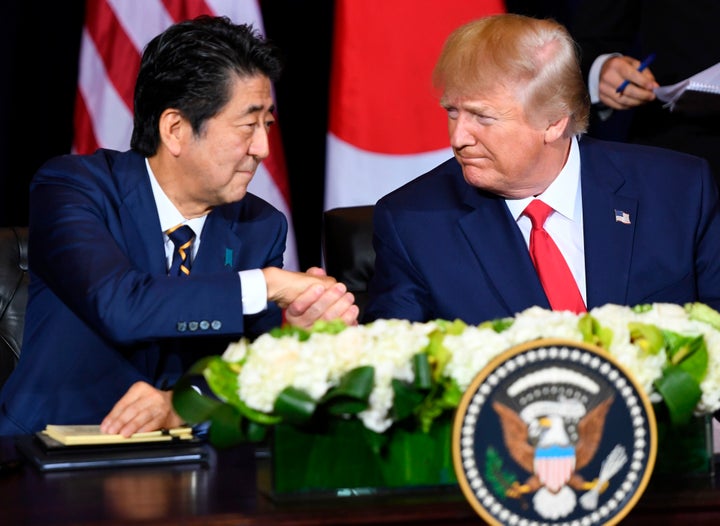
x,y
567,183
169,215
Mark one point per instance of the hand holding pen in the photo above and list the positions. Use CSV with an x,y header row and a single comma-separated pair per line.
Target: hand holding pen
x,y
625,83
642,67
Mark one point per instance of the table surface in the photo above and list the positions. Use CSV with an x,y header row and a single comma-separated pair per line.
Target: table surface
x,y
225,492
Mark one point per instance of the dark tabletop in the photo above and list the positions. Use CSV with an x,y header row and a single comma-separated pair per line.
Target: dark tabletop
x,y
233,489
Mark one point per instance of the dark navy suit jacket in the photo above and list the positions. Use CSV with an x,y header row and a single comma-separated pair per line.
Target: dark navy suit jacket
x,y
102,312
447,250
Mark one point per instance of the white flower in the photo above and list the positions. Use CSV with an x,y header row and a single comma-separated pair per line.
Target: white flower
x,y
471,351
271,364
236,351
536,322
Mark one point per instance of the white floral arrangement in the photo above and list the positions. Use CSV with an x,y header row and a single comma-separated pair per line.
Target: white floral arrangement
x,y
392,369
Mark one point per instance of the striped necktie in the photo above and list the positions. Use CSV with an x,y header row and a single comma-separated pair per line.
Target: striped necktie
x,y
557,280
182,237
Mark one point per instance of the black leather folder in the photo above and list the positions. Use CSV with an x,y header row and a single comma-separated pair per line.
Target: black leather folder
x,y
47,454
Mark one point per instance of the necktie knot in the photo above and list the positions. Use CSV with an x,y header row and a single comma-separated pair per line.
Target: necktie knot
x,y
182,237
537,211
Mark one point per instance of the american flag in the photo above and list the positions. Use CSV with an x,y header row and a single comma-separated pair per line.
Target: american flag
x,y
113,38
622,217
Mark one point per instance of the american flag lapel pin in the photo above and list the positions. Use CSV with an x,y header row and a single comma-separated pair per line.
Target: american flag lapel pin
x,y
622,217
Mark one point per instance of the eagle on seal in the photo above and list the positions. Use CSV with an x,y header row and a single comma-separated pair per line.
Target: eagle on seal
x,y
538,440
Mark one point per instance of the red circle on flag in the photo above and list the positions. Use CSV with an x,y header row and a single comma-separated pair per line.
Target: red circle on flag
x,y
382,99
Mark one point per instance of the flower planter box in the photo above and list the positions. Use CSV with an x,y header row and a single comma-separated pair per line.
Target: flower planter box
x,y
685,451
340,461
324,376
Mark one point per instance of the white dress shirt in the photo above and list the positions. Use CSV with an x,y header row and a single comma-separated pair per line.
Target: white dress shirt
x,y
254,287
565,223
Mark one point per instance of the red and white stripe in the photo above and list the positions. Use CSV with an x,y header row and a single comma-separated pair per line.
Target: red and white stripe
x,y
113,38
386,124
555,472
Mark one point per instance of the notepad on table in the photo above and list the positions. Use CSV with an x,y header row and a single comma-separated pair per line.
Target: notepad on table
x,y
70,435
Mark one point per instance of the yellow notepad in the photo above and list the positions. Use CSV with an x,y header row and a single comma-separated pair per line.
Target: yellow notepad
x,y
71,435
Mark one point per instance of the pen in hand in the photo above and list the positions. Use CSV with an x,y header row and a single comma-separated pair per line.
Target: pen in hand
x,y
643,65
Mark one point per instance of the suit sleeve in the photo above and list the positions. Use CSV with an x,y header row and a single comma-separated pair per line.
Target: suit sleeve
x,y
708,241
396,289
79,249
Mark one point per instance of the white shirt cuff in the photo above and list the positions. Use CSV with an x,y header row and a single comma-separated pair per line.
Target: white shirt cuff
x,y
594,83
594,76
254,291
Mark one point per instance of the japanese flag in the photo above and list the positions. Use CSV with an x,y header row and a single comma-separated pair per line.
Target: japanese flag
x,y
386,124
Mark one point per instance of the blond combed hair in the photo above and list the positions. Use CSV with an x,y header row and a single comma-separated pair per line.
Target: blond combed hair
x,y
536,59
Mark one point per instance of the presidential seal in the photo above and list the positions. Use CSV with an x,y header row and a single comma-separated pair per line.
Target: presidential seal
x,y
554,432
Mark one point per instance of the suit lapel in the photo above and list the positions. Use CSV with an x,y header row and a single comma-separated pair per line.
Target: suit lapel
x,y
140,224
608,241
500,248
220,245
142,232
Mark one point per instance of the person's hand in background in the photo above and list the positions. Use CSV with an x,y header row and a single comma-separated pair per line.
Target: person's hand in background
x,y
639,91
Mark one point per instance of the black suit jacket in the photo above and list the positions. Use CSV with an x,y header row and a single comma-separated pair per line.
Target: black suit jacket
x,y
684,36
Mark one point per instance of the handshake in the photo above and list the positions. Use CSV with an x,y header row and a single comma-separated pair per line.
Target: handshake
x,y
310,296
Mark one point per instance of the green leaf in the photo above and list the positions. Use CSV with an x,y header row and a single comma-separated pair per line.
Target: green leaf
x,y
294,406
259,417
498,325
222,377
329,326
452,394
320,326
444,395
499,479
594,333
290,331
377,442
680,392
455,327
428,413
192,406
227,422
423,371
406,400
704,313
438,354
689,353
196,407
253,431
647,337
225,427
351,395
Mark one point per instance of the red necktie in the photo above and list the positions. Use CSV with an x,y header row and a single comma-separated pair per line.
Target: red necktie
x,y
555,276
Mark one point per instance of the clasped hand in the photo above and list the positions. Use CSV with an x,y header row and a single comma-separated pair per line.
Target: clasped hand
x,y
310,296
